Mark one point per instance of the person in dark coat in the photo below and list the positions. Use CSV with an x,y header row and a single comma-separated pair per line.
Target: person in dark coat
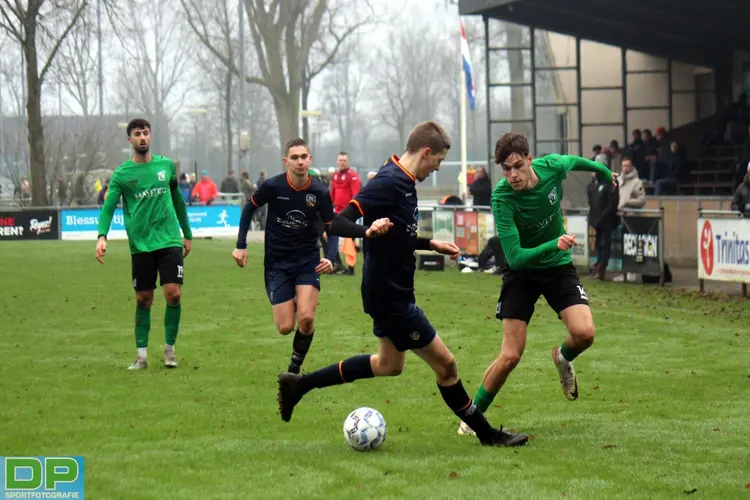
x,y
603,200
481,189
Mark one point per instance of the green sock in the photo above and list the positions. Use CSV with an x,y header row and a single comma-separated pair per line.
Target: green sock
x,y
142,326
569,353
483,399
172,323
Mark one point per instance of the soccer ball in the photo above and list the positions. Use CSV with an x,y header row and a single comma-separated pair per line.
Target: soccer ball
x,y
365,429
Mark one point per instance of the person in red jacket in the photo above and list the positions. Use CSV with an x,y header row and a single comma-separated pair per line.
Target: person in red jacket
x,y
344,186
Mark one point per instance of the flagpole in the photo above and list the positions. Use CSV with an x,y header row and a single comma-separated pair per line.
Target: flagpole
x,y
462,97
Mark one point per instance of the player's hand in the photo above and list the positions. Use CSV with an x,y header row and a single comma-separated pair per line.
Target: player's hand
x,y
566,242
187,245
101,249
446,248
240,256
379,228
324,267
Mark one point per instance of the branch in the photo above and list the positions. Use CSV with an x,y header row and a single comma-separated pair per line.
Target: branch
x,y
10,27
61,39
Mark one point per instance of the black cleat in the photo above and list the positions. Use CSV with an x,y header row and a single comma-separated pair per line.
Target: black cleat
x,y
499,437
290,393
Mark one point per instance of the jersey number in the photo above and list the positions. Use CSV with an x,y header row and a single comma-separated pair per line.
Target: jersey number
x,y
179,271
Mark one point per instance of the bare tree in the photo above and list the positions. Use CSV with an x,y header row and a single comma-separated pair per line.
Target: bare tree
x,y
76,68
285,34
39,26
411,82
155,80
345,85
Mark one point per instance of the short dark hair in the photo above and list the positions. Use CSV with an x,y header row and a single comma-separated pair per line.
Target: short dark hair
x,y
510,143
428,135
138,123
626,158
297,141
343,153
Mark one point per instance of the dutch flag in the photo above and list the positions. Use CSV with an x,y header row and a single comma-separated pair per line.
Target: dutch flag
x,y
466,56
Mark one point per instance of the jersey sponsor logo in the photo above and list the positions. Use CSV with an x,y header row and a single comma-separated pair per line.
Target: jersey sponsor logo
x,y
294,219
539,224
310,200
161,175
149,193
552,196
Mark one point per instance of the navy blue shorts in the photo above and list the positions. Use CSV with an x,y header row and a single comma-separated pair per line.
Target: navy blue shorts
x,y
407,329
281,281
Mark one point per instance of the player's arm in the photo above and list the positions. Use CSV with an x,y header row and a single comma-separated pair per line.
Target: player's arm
x,y
108,208
257,200
180,209
568,163
377,194
517,256
325,209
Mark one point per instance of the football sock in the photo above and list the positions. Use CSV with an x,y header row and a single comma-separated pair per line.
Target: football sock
x,y
569,353
343,372
483,399
142,326
300,346
172,322
458,400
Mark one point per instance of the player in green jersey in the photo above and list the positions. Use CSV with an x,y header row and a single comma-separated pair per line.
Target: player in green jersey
x,y
529,222
154,214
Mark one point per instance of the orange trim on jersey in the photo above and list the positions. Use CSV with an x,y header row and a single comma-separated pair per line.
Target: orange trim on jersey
x,y
289,181
252,200
394,159
341,371
328,222
359,207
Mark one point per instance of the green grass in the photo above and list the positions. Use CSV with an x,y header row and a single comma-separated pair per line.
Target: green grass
x,y
664,406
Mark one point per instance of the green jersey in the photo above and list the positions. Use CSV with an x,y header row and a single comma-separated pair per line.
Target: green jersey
x,y
530,222
152,204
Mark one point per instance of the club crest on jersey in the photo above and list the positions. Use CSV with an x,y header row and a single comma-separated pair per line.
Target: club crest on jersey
x,y
161,175
310,200
552,196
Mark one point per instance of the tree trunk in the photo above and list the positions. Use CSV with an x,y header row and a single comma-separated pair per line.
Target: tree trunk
x,y
305,99
228,118
287,111
34,111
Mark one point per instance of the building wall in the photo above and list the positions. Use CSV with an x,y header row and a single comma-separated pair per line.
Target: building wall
x,y
601,66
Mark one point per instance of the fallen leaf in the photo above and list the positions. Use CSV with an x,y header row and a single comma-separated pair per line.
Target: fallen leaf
x,y
609,446
690,492
667,372
596,387
453,475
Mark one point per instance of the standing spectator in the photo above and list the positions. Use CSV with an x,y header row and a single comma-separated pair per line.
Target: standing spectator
x,y
481,189
205,190
637,152
62,191
102,195
259,218
632,195
741,200
246,187
185,188
604,200
230,184
615,157
344,186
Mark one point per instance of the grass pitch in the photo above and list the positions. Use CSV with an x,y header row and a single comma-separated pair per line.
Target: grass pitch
x,y
663,412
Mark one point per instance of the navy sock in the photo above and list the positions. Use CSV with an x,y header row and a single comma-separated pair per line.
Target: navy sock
x,y
343,372
457,399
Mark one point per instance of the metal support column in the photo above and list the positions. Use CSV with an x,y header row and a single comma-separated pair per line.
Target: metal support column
x,y
627,72
492,120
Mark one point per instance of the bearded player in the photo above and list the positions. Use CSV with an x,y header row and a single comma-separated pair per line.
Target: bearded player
x,y
154,211
529,222
296,203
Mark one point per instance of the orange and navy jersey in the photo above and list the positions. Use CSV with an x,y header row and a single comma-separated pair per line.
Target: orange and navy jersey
x,y
291,232
344,186
388,278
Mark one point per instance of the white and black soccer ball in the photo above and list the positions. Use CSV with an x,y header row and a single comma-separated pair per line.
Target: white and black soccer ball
x,y
365,429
